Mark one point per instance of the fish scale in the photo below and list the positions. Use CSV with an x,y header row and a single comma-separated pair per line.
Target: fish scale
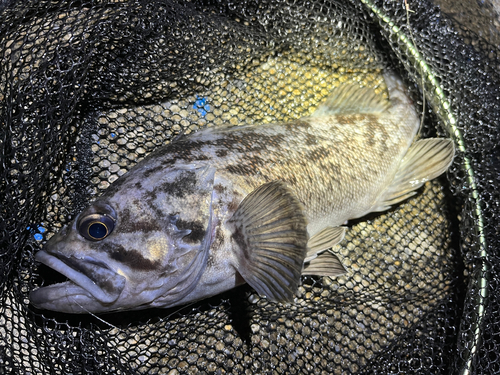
x,y
318,172
260,204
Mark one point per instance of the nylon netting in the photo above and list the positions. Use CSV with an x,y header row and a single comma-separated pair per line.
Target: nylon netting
x,y
87,89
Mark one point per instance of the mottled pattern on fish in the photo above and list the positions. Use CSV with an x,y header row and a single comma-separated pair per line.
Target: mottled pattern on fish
x,y
336,166
234,204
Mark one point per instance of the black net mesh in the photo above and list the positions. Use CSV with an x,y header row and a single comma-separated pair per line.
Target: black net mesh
x,y
87,89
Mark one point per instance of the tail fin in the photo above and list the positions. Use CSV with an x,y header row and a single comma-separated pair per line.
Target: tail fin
x,y
425,160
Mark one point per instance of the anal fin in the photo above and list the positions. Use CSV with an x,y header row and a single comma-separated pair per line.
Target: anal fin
x,y
425,160
325,264
270,231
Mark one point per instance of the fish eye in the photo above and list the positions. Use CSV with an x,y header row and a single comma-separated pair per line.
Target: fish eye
x,y
96,227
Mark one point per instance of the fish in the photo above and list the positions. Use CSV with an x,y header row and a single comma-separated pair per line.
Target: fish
x,y
257,204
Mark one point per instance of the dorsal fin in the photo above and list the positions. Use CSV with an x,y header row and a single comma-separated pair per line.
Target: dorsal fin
x,y
270,230
352,99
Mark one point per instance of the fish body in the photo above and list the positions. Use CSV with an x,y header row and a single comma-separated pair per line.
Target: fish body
x,y
255,203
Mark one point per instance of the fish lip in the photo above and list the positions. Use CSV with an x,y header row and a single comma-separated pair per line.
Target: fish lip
x,y
93,276
63,297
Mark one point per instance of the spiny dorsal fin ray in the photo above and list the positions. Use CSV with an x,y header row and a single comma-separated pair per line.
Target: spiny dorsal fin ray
x,y
351,99
426,159
324,240
270,230
325,264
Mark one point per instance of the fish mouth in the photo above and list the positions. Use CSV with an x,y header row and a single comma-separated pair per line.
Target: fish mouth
x,y
92,285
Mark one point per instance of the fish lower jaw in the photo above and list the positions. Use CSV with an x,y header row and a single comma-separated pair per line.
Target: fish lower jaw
x,y
63,297
68,297
104,288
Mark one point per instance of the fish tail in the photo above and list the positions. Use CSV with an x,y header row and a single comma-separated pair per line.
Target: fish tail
x,y
425,160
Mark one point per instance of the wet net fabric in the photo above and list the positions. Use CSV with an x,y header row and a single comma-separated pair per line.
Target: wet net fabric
x,y
87,89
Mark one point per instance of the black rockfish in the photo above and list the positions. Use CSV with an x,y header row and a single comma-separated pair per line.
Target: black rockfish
x,y
260,204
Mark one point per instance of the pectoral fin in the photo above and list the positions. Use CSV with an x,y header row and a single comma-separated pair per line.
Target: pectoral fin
x,y
270,230
325,264
425,160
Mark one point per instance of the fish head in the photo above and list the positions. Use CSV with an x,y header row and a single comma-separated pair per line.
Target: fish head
x,y
131,249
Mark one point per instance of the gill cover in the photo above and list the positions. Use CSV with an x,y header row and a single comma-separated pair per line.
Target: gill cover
x,y
186,263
